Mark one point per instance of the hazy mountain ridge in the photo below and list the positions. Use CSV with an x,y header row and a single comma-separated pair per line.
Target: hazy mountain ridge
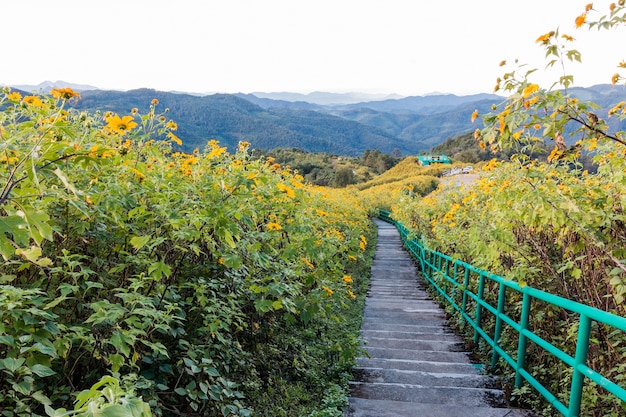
x,y
408,125
230,119
46,86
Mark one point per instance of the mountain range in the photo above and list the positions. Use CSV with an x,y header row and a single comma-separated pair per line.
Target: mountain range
x,y
398,125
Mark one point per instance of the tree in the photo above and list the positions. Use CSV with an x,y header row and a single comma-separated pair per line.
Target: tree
x,y
344,176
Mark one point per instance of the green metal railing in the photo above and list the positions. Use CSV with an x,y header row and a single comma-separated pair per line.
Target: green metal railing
x,y
456,280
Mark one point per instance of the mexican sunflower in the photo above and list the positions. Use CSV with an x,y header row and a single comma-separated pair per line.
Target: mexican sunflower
x,y
121,125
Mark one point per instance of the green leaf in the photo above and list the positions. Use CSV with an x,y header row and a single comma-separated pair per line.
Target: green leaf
x,y
38,224
232,261
181,391
41,397
41,370
55,302
158,269
66,182
16,226
115,410
117,361
139,242
32,254
228,237
46,350
120,342
12,364
263,306
24,387
7,340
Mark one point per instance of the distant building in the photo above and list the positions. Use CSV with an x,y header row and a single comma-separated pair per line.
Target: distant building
x,y
426,160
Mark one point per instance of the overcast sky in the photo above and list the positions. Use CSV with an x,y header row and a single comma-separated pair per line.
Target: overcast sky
x,y
409,47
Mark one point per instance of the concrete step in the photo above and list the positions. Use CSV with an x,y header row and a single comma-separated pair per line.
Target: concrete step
x,y
414,365
361,407
428,379
421,345
417,355
406,335
420,365
413,393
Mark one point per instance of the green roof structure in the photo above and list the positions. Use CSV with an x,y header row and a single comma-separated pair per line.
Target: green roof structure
x,y
426,160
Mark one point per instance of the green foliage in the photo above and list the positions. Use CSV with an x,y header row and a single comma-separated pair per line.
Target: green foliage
x,y
464,148
135,276
549,223
331,170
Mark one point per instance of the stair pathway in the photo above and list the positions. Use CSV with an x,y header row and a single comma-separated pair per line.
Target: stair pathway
x,y
416,365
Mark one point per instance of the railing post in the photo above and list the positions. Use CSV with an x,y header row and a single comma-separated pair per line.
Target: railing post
x,y
498,328
466,278
521,346
578,378
479,307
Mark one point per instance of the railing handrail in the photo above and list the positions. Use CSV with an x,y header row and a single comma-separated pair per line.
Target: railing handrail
x,y
436,263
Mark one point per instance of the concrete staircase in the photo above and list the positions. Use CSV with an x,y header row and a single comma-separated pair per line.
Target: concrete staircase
x,y
416,365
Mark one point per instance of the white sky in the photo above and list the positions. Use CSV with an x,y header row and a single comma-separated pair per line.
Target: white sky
x,y
409,47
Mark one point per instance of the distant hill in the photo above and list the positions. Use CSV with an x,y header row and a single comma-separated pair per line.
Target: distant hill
x,y
424,105
326,99
403,126
46,86
230,119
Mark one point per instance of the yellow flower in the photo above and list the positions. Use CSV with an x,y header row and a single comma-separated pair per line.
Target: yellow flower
x,y
215,152
568,38
347,279
307,263
474,115
189,161
329,292
352,258
154,102
545,38
140,175
107,154
243,146
351,294
64,93
615,78
588,7
174,138
287,190
121,125
580,20
15,96
530,89
274,226
33,101
171,125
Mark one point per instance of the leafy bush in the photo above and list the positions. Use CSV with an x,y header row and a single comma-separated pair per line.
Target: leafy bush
x,y
146,276
551,224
